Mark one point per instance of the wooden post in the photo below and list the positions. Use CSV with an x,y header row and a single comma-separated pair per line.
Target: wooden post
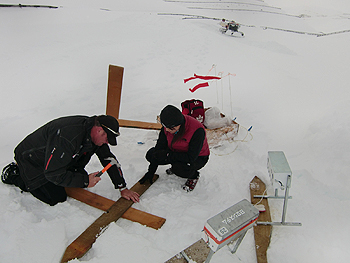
x,y
115,82
262,233
197,252
139,124
84,242
114,92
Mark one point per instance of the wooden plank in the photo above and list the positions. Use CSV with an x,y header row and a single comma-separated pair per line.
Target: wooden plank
x,y
84,242
104,204
198,252
139,124
144,218
114,91
262,233
89,198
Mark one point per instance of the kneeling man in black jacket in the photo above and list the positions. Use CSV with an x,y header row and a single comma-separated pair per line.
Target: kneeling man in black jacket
x,y
55,155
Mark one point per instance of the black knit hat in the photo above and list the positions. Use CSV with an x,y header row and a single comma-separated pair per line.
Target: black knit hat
x,y
171,116
111,126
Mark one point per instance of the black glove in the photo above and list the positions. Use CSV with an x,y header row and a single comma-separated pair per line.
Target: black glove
x,y
160,156
148,176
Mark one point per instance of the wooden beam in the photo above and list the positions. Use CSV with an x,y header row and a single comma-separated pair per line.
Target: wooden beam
x,y
198,252
89,198
139,124
262,233
114,91
104,204
144,218
84,242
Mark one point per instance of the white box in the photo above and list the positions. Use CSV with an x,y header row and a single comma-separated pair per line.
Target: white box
x,y
229,224
278,168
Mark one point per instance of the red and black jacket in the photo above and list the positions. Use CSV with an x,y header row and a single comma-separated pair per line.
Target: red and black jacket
x,y
192,144
59,151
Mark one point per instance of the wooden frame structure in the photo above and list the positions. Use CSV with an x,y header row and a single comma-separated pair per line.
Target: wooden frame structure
x,y
114,92
122,207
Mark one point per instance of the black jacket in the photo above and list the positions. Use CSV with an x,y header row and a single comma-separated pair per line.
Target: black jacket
x,y
59,151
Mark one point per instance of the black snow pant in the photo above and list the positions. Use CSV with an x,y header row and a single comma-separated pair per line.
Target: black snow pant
x,y
48,193
184,170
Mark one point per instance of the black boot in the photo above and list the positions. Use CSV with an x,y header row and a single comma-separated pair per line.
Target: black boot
x,y
10,173
190,184
169,171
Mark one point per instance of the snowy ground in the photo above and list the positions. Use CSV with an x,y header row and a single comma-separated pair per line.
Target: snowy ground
x,y
291,87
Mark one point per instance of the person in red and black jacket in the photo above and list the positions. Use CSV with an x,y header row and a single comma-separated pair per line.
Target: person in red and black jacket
x,y
182,142
55,155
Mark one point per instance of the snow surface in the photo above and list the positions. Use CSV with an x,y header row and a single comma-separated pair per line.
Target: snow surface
x,y
292,88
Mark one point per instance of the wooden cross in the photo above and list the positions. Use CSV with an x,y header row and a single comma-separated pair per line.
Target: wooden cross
x,y
122,207
113,101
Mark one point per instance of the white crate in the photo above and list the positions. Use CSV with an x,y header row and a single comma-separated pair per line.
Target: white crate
x,y
229,224
278,168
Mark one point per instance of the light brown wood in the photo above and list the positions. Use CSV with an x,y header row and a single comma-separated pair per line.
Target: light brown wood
x,y
104,204
114,91
89,198
262,233
198,252
144,218
139,124
84,242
